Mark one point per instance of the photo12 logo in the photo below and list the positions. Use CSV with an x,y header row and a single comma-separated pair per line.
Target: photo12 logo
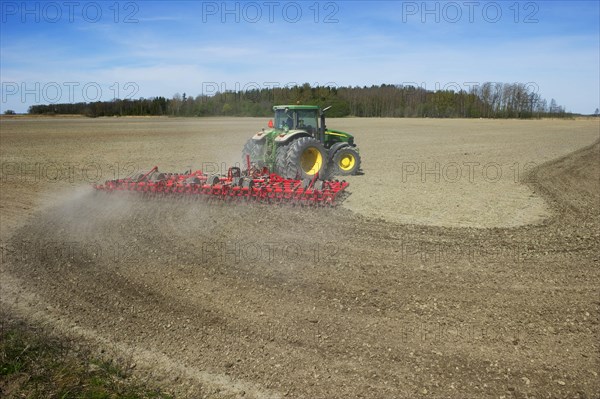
x,y
252,252
52,12
253,12
75,253
66,92
453,12
466,171
89,172
209,89
455,332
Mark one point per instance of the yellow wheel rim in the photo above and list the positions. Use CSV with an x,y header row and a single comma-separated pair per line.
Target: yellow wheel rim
x,y
311,161
347,162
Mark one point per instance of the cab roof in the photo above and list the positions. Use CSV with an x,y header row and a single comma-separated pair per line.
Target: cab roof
x,y
276,107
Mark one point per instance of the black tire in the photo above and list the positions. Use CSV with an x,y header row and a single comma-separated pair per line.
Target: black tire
x,y
256,151
305,158
212,180
247,182
193,180
345,162
281,159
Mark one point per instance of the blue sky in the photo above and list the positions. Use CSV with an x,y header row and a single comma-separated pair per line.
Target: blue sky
x,y
60,51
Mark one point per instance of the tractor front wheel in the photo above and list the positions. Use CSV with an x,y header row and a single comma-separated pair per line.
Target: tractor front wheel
x,y
346,161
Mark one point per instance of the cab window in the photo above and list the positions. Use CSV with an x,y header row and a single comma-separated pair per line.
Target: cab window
x,y
307,120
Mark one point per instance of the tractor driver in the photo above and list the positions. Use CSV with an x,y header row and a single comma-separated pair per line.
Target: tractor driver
x,y
289,122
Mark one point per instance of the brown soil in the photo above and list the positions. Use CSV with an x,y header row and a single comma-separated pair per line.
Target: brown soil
x,y
269,302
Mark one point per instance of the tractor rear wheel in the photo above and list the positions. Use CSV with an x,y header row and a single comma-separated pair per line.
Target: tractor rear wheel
x,y
281,159
256,151
305,158
345,161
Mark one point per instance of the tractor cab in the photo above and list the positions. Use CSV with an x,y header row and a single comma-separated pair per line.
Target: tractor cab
x,y
297,118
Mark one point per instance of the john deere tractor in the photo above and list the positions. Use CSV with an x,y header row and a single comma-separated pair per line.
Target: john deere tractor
x,y
298,144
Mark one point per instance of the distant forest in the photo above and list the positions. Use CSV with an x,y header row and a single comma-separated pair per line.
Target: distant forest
x,y
489,100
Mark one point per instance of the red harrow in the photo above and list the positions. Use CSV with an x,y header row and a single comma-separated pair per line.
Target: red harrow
x,y
251,186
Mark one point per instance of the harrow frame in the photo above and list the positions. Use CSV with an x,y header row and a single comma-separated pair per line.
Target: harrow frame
x,y
250,186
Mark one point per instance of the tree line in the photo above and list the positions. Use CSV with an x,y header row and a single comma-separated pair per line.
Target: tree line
x,y
489,100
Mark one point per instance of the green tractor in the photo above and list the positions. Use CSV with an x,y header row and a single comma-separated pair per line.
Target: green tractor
x,y
298,145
